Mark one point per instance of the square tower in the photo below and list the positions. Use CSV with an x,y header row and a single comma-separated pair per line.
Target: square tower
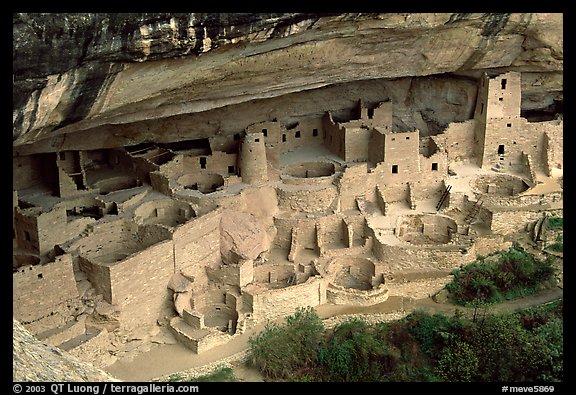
x,y
498,119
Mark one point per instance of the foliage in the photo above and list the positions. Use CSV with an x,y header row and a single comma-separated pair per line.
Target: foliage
x,y
355,352
555,223
222,374
283,351
525,346
507,275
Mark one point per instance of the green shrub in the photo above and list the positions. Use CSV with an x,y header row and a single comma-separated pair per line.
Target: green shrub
x,y
283,351
512,274
555,223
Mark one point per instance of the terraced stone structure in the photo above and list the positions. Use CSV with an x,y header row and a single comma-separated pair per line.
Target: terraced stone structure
x,y
212,233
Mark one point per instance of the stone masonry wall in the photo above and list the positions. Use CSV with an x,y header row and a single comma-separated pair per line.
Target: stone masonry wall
x,y
40,290
282,302
139,284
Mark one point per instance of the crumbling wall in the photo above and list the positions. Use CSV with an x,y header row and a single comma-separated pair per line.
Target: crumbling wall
x,y
458,139
353,183
308,200
43,290
333,136
508,222
554,146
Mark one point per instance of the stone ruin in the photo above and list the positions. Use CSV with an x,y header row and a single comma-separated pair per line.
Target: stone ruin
x,y
209,238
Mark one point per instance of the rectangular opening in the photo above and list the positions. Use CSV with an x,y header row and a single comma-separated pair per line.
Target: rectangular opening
x,y
283,138
370,113
265,132
394,169
257,140
314,132
501,149
393,138
434,166
297,134
408,138
230,169
500,99
62,155
503,82
236,136
202,162
508,125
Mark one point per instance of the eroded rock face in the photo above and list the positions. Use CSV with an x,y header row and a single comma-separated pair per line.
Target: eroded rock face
x,y
101,80
242,237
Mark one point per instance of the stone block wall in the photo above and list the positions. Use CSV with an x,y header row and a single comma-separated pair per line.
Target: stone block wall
x,y
459,140
307,200
38,291
508,222
139,284
282,302
197,244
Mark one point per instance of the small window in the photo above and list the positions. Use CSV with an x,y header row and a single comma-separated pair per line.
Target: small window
x,y
40,275
236,136
501,149
265,132
297,134
500,99
257,140
434,166
283,138
503,82
394,169
202,163
508,125
231,169
393,138
408,138
370,113
62,156
314,132
514,142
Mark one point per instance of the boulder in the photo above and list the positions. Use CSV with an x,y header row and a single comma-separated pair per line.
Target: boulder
x,y
242,237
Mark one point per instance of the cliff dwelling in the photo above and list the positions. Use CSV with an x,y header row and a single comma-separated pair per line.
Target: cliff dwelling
x,y
209,242
205,228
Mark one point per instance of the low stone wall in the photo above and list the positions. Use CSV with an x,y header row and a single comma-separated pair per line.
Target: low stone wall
x,y
339,295
275,303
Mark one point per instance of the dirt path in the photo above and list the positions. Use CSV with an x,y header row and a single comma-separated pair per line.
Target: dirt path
x,y
166,359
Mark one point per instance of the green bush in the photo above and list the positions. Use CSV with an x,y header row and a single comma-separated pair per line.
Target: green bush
x,y
555,223
285,351
510,274
354,352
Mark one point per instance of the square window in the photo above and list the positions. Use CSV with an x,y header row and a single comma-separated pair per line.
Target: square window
x,y
257,140
62,155
394,169
236,136
408,138
508,125
434,166
500,99
297,134
230,169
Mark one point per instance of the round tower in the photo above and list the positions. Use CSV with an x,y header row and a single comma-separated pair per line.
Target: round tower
x,y
253,163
